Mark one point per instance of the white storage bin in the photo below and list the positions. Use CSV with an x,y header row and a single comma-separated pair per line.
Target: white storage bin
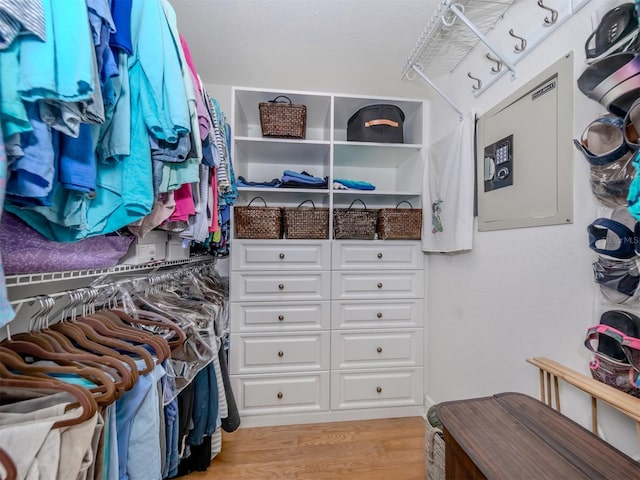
x,y
150,248
178,248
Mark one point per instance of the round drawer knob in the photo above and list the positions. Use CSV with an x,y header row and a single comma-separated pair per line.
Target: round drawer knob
x,y
380,255
279,395
380,285
281,256
281,353
281,317
379,389
379,349
281,286
379,314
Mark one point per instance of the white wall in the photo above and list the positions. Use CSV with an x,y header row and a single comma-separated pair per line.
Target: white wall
x,y
524,292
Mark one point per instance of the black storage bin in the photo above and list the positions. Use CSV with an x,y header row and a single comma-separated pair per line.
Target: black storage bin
x,y
382,123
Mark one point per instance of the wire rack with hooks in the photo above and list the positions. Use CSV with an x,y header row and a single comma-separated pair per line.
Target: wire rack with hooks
x,y
446,40
458,26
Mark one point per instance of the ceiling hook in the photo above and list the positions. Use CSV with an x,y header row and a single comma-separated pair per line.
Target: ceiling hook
x,y
523,42
498,66
478,84
554,13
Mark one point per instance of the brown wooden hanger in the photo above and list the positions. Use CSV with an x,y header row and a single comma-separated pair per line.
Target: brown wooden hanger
x,y
105,386
67,332
104,328
9,467
58,343
84,398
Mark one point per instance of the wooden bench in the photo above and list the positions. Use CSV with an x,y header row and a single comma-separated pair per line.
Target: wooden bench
x,y
551,371
515,436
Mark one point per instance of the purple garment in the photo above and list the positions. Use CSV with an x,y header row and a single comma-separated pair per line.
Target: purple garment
x,y
26,251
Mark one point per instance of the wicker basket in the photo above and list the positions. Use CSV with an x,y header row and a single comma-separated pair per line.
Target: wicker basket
x,y
306,222
434,451
282,119
400,223
258,222
354,223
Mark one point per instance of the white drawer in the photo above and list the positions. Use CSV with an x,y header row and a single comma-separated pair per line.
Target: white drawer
x,y
376,255
280,352
286,393
264,316
259,286
375,388
281,255
377,285
368,314
376,348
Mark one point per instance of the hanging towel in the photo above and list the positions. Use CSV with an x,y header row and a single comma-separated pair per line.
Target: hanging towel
x,y
448,187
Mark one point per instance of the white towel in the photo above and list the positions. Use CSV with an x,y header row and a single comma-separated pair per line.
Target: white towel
x,y
448,186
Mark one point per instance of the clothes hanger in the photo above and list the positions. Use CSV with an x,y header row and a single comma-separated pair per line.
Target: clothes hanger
x,y
102,323
101,326
58,343
105,386
175,336
8,465
84,398
74,338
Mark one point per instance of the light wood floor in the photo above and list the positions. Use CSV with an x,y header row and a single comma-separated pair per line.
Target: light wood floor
x,y
388,449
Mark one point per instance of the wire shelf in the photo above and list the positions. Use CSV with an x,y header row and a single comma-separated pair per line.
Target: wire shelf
x,y
39,278
446,40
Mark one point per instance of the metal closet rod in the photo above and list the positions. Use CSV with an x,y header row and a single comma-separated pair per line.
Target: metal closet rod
x,y
152,279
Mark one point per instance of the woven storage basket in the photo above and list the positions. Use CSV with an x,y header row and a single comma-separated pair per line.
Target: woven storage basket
x,y
355,223
400,223
282,119
434,451
258,222
302,222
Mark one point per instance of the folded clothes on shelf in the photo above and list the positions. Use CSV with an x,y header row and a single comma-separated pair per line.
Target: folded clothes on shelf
x,y
291,179
242,182
352,184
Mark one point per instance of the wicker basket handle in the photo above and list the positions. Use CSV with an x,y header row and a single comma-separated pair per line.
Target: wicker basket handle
x,y
358,200
275,100
405,201
305,201
256,198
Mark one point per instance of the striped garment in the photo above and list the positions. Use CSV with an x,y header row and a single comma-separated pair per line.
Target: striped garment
x,y
18,16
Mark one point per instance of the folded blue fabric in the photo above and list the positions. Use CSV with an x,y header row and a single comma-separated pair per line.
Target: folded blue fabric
x,y
355,184
303,177
242,182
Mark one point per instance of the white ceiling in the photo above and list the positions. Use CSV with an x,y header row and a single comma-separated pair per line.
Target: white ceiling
x,y
344,46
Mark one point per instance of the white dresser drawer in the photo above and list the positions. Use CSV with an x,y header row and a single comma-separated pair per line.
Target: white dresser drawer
x,y
377,255
377,285
286,393
368,314
376,388
281,255
265,316
376,348
260,286
279,352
